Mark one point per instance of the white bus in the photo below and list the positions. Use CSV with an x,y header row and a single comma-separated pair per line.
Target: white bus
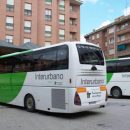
x,y
118,77
66,78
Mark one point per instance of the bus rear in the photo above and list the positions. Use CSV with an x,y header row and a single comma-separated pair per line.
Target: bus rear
x,y
90,78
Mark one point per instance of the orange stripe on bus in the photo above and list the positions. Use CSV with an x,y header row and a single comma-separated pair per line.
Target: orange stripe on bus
x,y
81,90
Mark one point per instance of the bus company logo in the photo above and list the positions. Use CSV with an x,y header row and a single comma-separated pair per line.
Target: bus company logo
x,y
91,82
49,76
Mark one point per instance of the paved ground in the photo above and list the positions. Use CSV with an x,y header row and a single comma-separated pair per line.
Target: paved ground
x,y
116,116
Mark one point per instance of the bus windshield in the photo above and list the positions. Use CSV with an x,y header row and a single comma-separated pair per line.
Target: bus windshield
x,y
90,55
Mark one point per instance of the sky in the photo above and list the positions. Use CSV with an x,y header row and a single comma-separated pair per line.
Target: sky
x,y
98,13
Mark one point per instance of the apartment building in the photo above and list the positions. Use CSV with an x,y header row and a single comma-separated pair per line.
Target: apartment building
x,y
42,22
114,38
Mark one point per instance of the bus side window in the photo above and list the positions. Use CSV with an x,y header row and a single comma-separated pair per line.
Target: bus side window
x,y
36,63
62,57
22,63
123,66
48,59
5,66
111,67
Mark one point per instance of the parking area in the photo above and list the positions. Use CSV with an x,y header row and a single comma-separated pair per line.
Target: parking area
x,y
115,116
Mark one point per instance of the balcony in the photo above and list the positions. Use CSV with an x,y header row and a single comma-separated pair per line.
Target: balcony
x,y
123,49
73,28
9,26
73,15
123,53
76,2
123,31
10,8
126,41
27,12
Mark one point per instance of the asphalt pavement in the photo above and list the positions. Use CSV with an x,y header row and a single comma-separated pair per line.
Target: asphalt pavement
x,y
115,116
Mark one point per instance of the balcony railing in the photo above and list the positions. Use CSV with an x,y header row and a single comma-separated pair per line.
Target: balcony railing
x,y
10,8
48,17
123,53
126,41
77,2
123,31
10,26
27,12
73,28
27,29
73,15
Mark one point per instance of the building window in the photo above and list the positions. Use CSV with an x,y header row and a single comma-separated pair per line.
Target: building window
x,y
93,37
72,21
61,19
47,43
48,2
71,8
111,40
123,26
111,51
28,9
10,5
62,5
27,26
10,23
105,43
9,39
61,34
121,38
98,36
48,31
26,40
121,47
111,30
48,14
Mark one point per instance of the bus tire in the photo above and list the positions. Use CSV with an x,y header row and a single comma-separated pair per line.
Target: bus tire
x,y
116,92
29,103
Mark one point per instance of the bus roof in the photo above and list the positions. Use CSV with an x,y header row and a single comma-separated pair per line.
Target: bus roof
x,y
37,49
66,43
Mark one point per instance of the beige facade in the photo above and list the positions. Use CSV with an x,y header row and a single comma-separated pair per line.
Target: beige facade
x,y
43,22
114,38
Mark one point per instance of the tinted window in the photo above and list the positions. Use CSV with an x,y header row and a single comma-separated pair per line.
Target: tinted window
x,y
55,58
19,63
111,66
47,59
6,65
90,55
118,66
23,63
62,58
123,66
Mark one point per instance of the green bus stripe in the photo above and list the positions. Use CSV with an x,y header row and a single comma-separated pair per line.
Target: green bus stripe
x,y
109,77
11,85
15,54
114,59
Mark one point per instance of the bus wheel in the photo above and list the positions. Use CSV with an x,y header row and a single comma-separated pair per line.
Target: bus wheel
x,y
29,103
116,92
